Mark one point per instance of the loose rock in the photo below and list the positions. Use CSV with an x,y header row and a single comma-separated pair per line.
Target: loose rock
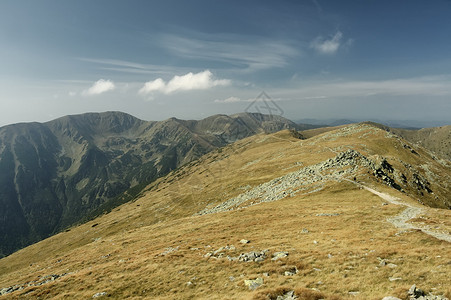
x,y
291,272
287,296
279,255
253,256
415,292
419,294
99,295
252,284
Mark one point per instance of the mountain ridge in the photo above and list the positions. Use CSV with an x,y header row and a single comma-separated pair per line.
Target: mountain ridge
x,y
337,216
55,173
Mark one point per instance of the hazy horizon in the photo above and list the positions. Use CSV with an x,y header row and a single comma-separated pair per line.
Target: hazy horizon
x,y
372,60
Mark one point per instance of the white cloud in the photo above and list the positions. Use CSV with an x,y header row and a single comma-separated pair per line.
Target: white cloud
x,y
190,81
328,46
99,87
151,86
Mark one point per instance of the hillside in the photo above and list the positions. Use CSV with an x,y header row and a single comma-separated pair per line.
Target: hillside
x,y
352,213
55,174
436,139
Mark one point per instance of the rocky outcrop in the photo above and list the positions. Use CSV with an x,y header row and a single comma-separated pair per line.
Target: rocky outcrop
x,y
417,293
252,284
253,256
41,281
312,178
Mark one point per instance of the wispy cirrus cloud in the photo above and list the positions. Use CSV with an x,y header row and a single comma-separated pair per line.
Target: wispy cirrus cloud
x,y
234,99
190,81
131,67
231,99
426,86
99,87
331,45
249,54
400,88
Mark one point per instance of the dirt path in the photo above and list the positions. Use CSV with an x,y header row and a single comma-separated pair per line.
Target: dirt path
x,y
411,212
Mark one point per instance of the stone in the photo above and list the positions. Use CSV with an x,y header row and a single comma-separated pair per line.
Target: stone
x,y
292,271
279,255
6,291
327,214
243,241
189,283
304,230
252,284
390,298
394,278
96,295
217,251
415,292
287,296
253,256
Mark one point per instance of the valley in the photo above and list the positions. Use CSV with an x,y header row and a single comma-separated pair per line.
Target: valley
x,y
67,171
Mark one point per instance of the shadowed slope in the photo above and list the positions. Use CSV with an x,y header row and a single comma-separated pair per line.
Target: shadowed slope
x,y
64,171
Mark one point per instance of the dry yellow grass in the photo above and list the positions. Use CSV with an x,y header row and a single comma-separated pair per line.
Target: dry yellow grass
x,y
155,248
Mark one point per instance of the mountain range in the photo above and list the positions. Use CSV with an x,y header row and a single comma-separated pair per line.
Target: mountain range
x,y
347,212
56,174
405,124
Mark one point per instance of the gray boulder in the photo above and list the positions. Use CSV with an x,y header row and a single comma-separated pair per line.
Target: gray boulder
x,y
252,284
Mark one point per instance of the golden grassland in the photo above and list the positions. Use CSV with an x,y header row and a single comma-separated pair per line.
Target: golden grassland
x,y
155,248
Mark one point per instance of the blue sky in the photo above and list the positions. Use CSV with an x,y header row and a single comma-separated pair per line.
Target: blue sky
x,y
191,59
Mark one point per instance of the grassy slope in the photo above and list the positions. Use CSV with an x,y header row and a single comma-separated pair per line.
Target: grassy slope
x,y
121,253
437,139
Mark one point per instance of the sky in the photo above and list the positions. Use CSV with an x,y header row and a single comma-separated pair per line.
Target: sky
x,y
365,60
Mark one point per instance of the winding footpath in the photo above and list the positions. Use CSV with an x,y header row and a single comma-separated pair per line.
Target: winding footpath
x,y
411,212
